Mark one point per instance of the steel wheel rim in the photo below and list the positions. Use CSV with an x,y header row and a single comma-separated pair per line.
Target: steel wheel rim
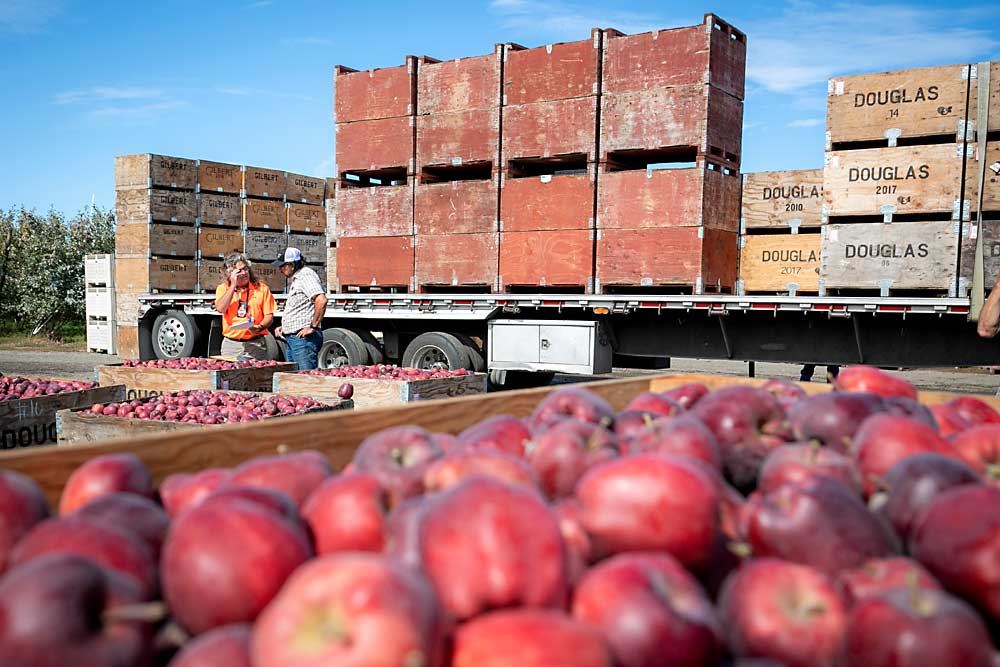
x,y
171,337
430,358
335,356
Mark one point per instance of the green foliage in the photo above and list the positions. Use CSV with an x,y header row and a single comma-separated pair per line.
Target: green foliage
x,y
41,265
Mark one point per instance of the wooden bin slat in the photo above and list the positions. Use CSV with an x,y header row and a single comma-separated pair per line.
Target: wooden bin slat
x,y
32,421
157,239
135,206
776,262
146,170
377,211
219,209
456,207
552,72
782,199
142,382
375,393
219,177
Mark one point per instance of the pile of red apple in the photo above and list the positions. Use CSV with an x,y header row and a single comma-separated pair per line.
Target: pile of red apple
x,y
13,387
869,536
386,372
202,406
198,364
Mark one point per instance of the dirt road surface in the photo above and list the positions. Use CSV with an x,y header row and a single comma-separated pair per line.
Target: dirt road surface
x,y
80,365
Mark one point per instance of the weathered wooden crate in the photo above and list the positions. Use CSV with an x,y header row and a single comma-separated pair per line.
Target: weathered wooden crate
x,y
135,206
549,202
786,263
550,128
560,71
700,116
218,242
266,183
888,106
990,231
893,182
713,53
370,393
373,94
547,258
458,137
264,214
989,91
782,199
456,260
312,247
211,274
337,434
142,382
219,177
330,206
263,244
127,339
706,195
456,207
375,261
156,239
25,422
990,184
890,256
690,259
155,274
270,276
306,218
459,85
320,270
74,426
304,189
145,170
374,211
331,269
370,145
220,210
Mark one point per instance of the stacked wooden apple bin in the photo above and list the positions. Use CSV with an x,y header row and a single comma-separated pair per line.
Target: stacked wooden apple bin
x,y
606,164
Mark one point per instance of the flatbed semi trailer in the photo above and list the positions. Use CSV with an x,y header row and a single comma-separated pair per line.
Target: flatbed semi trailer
x,y
535,335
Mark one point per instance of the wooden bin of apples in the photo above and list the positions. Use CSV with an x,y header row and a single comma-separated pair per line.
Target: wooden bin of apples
x,y
28,406
380,385
150,378
647,521
180,410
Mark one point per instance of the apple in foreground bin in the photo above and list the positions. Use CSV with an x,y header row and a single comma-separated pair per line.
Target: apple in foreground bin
x,y
975,410
913,483
657,404
398,457
875,381
503,432
137,514
833,418
574,402
22,506
880,575
347,513
884,440
295,474
799,462
101,475
350,610
183,490
456,466
980,448
687,395
684,434
562,453
226,646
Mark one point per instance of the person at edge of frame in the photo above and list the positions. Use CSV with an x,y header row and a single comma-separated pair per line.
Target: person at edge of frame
x,y
302,317
247,307
806,374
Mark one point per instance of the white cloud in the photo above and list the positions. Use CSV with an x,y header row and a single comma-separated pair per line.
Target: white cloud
x,y
324,168
27,16
811,42
306,41
142,112
259,4
106,93
248,91
562,21
807,122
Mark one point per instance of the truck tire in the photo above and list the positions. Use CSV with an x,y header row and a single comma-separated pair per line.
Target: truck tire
x,y
436,350
375,355
342,347
478,363
175,334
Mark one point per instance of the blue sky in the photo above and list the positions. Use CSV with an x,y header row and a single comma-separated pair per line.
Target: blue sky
x,y
250,81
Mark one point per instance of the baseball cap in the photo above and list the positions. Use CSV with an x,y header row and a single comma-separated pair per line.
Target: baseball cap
x,y
291,255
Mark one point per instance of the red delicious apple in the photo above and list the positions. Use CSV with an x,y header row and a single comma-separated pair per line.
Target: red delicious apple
x,y
874,380
685,435
650,502
227,646
456,466
884,440
346,391
276,501
787,392
295,474
656,404
114,547
503,432
686,395
22,505
819,522
914,482
350,610
127,511
561,454
949,420
59,610
783,611
578,549
347,513
833,418
225,559
957,538
800,462
975,410
915,628
182,490
650,610
748,423
629,422
881,575
909,407
574,402
485,526
529,638
979,446
398,457
101,475
402,529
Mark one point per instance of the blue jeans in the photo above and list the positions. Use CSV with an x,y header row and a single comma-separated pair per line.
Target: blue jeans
x,y
303,351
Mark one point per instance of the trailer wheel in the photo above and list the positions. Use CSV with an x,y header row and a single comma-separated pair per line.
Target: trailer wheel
x,y
436,350
342,347
175,333
478,364
375,355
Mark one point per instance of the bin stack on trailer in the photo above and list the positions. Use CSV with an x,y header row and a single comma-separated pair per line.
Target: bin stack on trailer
x,y
982,175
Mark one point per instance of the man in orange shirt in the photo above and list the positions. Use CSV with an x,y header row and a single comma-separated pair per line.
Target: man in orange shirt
x,y
247,308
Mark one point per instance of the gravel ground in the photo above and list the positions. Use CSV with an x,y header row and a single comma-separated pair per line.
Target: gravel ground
x,y
80,365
